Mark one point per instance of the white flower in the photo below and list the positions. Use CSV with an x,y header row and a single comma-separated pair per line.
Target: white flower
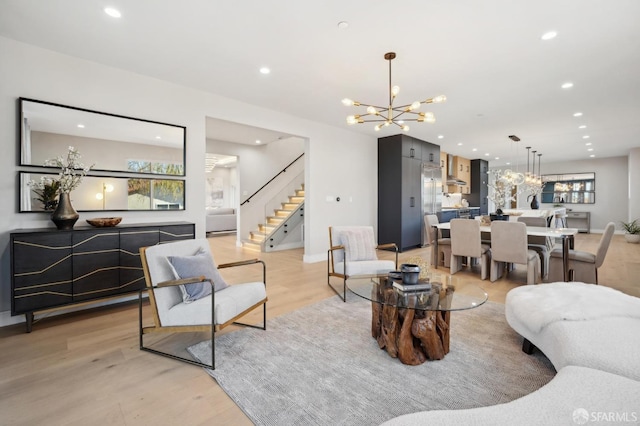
x,y
71,171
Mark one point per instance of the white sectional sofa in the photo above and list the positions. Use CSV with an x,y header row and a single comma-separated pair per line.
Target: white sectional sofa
x,y
221,219
591,334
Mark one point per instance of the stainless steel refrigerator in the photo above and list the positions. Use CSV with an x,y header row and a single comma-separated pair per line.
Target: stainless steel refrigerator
x,y
431,193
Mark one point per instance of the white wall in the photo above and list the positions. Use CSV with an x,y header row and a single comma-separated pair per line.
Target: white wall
x,y
337,161
633,194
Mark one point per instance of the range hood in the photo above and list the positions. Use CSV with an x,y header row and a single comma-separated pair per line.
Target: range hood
x,y
451,179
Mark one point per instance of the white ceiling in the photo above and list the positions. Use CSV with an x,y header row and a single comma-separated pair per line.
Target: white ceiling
x,y
486,56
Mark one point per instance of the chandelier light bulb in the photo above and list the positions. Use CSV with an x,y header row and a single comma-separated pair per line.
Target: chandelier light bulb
x,y
405,128
378,127
351,119
395,90
372,110
347,102
386,123
415,105
439,99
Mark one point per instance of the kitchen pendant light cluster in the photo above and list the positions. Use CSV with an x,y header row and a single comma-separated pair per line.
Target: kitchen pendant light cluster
x,y
533,181
390,114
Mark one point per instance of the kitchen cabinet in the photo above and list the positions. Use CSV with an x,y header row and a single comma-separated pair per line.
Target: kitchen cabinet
x,y
479,185
400,203
443,169
53,268
473,212
445,216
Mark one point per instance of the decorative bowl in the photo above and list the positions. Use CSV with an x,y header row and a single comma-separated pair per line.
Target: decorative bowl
x,y
104,222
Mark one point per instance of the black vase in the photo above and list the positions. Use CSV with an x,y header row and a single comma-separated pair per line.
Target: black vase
x,y
64,216
534,203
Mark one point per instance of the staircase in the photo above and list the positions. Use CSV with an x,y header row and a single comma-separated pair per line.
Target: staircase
x,y
276,228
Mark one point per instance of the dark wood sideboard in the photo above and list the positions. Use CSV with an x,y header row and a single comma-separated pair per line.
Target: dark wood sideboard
x,y
52,268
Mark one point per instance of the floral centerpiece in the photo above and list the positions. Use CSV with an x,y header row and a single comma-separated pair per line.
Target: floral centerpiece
x,y
72,170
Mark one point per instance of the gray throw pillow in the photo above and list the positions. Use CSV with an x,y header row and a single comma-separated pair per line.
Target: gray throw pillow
x,y
192,266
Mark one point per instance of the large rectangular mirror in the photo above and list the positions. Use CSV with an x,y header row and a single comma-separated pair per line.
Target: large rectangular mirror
x,y
569,188
101,193
114,143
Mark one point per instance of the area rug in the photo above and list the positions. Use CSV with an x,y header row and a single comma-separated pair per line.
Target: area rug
x,y
319,365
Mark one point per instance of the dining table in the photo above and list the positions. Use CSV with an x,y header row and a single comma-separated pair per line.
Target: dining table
x,y
566,234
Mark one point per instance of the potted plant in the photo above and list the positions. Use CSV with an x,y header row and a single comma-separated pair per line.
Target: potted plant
x,y
632,231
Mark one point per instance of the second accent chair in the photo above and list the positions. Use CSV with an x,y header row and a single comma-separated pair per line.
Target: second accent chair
x,y
352,252
583,265
465,243
509,245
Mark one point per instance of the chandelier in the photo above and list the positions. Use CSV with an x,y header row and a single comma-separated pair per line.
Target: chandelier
x,y
390,114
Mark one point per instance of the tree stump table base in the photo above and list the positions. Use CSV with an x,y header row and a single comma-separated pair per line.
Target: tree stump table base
x,y
411,335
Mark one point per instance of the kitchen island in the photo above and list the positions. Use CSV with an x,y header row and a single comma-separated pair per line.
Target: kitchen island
x,y
549,214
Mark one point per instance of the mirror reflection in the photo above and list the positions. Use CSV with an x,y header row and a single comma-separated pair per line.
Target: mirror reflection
x,y
101,193
569,188
114,143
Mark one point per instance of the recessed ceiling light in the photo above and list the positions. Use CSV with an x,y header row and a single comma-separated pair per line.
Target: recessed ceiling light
x,y
508,164
258,141
265,70
577,114
158,137
549,35
80,126
497,158
588,144
114,13
343,24
567,85
582,127
474,149
585,137
486,154
592,155
459,143
440,136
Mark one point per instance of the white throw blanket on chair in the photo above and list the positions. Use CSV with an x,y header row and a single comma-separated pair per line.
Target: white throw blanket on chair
x,y
544,304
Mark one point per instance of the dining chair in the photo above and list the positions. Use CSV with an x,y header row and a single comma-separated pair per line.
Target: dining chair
x,y
443,256
542,245
583,266
465,243
508,246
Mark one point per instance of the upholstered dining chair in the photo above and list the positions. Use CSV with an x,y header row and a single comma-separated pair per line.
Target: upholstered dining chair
x,y
188,294
353,253
443,256
465,243
542,245
583,266
509,245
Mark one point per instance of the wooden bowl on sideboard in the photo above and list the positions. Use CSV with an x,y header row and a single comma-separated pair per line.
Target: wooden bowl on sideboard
x,y
104,222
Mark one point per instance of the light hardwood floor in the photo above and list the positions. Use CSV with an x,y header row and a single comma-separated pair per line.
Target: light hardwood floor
x,y
86,368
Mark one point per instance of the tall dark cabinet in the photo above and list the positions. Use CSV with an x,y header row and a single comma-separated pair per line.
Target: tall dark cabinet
x,y
401,160
479,186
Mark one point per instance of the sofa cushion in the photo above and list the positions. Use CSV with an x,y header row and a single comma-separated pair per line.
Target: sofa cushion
x,y
201,263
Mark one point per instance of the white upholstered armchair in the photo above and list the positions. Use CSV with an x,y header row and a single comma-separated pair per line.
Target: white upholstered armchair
x,y
188,294
352,252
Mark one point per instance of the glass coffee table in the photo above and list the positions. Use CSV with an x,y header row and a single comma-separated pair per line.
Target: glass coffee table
x,y
411,325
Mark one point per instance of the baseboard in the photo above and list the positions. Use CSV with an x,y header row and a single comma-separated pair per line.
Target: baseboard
x,y
7,319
